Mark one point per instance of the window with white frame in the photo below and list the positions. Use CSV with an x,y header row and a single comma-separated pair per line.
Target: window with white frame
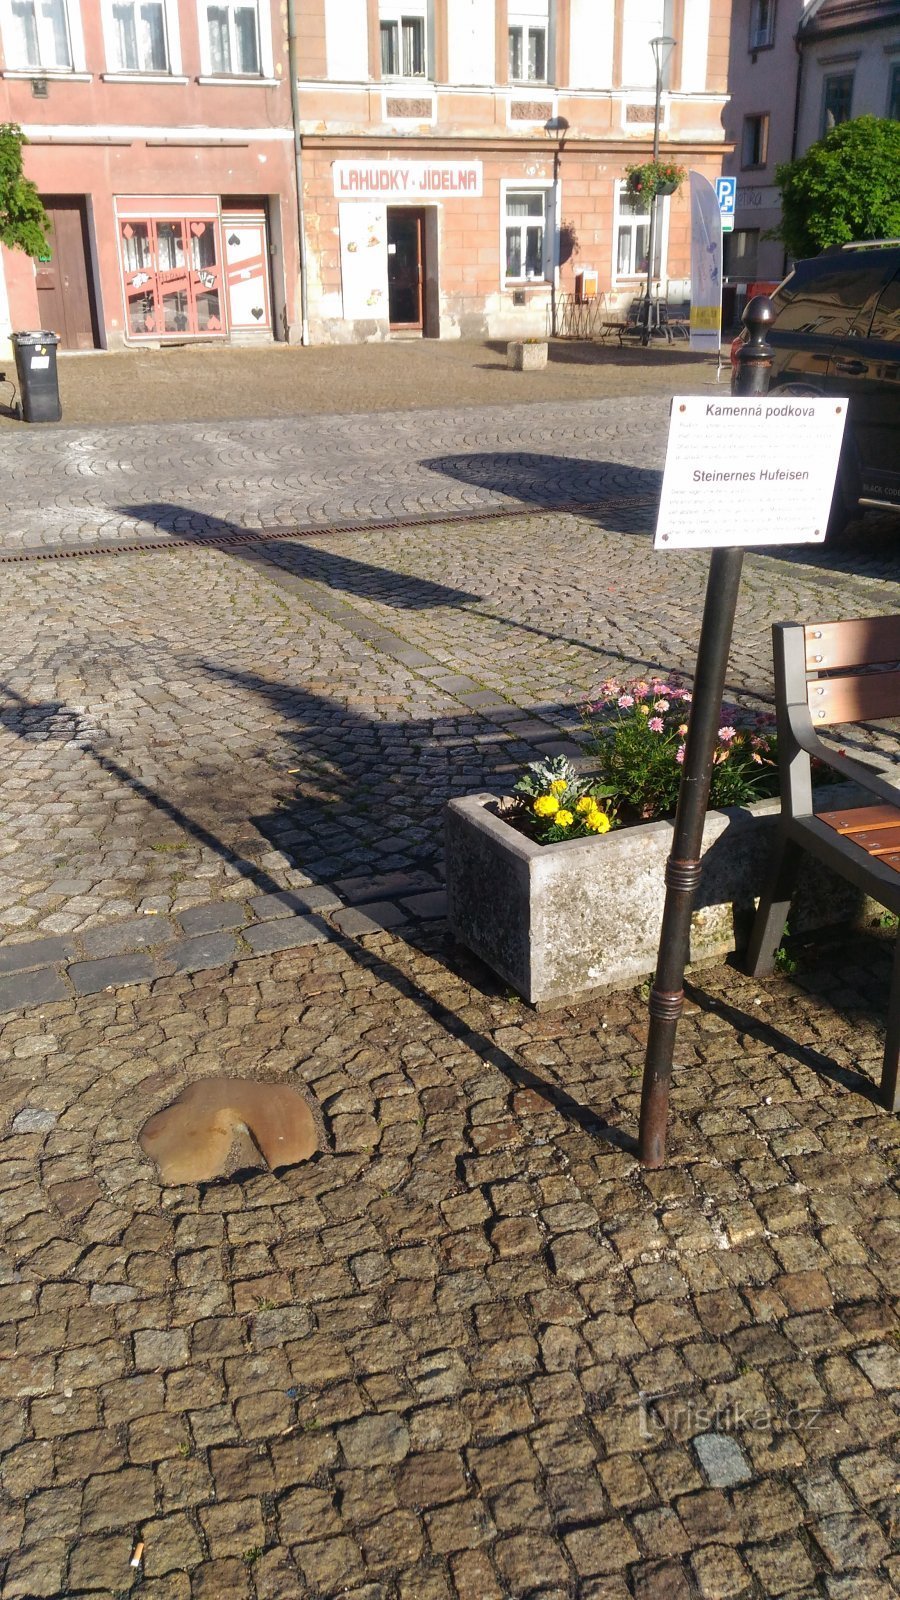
x,y
528,34
404,40
762,24
139,41
37,34
233,36
526,234
633,236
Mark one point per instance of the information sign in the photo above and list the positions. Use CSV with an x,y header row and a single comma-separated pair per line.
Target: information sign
x,y
726,194
749,471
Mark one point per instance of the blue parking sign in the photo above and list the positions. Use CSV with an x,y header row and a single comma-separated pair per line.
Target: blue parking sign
x,y
726,194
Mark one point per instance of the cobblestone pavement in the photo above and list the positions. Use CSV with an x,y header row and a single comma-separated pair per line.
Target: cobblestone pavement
x,y
469,1352
202,383
183,727
80,485
412,1370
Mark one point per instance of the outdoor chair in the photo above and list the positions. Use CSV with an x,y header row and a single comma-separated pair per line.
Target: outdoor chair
x,y
829,673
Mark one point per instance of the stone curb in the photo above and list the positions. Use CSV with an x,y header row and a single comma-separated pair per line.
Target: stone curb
x,y
141,949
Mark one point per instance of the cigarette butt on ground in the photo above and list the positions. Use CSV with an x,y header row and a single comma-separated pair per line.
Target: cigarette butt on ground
x,y
138,1555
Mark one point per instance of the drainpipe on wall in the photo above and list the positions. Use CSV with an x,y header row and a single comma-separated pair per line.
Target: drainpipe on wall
x,y
798,46
298,168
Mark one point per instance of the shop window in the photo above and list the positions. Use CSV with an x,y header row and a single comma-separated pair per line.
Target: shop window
x,y
528,52
762,24
37,34
403,41
526,234
172,277
754,144
837,98
233,37
139,36
633,236
742,253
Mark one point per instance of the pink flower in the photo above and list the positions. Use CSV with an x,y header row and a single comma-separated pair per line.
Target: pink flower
x,y
625,700
758,759
656,725
660,705
726,734
679,754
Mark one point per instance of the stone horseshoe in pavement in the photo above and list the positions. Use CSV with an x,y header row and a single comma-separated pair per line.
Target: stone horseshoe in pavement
x,y
228,1123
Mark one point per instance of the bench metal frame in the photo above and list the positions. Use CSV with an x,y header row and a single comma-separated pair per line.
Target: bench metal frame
x,y
813,687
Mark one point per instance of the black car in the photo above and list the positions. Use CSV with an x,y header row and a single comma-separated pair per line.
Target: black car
x,y
838,332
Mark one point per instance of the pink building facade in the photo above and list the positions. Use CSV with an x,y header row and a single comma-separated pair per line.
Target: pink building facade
x,y
160,141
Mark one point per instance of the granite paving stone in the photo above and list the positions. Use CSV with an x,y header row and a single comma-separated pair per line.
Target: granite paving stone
x,y
469,1351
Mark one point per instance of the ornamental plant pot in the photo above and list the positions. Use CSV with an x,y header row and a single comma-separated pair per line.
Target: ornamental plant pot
x,y
526,355
666,188
557,921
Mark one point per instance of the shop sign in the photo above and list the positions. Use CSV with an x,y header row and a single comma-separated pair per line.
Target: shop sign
x,y
407,180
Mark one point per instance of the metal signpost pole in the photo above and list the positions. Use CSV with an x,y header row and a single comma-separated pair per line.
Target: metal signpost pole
x,y
662,49
683,867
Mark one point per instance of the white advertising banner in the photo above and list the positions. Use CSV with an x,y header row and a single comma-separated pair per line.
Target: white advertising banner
x,y
407,180
706,266
749,471
364,280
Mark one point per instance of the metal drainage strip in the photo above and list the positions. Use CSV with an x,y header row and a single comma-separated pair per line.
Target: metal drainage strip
x,y
226,541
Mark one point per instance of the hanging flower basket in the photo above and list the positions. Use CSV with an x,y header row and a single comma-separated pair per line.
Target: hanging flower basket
x,y
652,178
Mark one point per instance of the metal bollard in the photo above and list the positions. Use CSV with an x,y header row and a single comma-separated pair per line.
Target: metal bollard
x,y
683,866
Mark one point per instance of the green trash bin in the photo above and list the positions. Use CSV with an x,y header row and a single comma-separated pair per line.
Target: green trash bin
x,y
36,369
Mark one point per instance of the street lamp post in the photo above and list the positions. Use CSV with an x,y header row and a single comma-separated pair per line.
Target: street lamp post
x,y
662,49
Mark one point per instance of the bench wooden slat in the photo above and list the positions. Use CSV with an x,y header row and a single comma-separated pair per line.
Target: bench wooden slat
x,y
860,817
864,697
864,641
891,861
878,841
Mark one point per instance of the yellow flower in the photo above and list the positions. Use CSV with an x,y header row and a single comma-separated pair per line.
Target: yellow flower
x,y
564,819
558,786
598,822
586,803
546,805
644,710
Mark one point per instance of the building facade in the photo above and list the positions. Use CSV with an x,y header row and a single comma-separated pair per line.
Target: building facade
x,y
160,140
459,161
798,67
463,159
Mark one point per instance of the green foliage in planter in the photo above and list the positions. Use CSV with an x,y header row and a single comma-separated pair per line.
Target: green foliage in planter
x,y
637,734
843,188
23,220
647,178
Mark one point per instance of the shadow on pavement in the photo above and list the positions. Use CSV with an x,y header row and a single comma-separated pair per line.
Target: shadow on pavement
x,y
301,558
54,720
628,495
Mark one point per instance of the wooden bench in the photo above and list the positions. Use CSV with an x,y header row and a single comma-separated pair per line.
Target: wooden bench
x,y
828,673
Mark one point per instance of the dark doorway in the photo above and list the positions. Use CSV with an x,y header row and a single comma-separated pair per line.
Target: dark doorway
x,y
406,268
64,286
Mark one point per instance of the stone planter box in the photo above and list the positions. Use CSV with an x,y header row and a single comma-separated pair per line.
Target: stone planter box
x,y
523,355
558,921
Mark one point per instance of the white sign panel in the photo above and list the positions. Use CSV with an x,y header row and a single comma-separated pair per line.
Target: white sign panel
x,y
748,471
407,180
364,280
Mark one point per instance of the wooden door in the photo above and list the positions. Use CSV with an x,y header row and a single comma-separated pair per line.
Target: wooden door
x,y
406,267
65,298
247,267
